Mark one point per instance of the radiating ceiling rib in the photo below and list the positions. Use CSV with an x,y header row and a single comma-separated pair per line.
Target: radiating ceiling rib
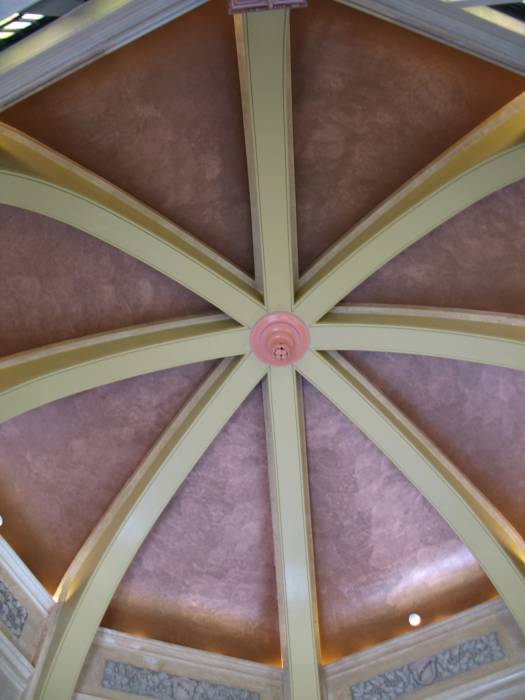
x,y
489,158
36,178
292,534
263,50
33,378
474,336
88,586
497,546
264,67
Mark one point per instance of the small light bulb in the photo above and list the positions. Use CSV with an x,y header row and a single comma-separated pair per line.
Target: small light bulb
x,y
414,619
1,521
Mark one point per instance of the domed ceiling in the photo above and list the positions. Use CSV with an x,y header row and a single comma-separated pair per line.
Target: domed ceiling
x,y
431,292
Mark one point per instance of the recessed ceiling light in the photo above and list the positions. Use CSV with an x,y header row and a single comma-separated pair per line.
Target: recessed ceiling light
x,y
16,25
414,619
10,18
5,35
33,17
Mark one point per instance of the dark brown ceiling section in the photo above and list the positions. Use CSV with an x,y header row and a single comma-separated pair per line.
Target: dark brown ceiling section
x,y
58,283
63,464
162,119
373,104
381,551
475,261
473,412
205,576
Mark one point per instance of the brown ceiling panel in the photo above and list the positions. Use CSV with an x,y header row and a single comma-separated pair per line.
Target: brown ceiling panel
x,y
381,550
476,261
58,283
61,465
373,104
205,576
473,412
161,118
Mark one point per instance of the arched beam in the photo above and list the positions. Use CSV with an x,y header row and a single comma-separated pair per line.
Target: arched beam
x,y
494,542
88,586
473,336
36,178
33,378
489,158
292,534
263,51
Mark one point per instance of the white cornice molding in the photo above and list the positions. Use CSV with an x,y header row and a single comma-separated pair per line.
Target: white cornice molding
x,y
85,34
109,639
451,25
21,576
505,685
180,661
102,26
501,679
440,635
15,669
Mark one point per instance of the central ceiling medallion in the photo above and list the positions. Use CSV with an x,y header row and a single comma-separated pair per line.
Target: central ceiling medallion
x,y
279,339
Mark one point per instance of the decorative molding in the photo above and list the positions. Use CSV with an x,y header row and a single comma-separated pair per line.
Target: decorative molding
x,y
97,28
164,686
451,25
12,613
182,662
19,574
425,672
505,677
15,670
242,6
505,685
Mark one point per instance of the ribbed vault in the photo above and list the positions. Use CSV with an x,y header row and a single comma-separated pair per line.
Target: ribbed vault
x,y
222,374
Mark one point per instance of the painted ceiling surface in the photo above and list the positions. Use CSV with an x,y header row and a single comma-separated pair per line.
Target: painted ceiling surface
x,y
161,118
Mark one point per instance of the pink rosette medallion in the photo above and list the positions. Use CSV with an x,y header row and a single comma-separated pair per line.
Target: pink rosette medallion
x,y
279,339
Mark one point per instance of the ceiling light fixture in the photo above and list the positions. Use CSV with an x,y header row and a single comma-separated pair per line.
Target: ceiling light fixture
x,y
8,19
17,24
414,619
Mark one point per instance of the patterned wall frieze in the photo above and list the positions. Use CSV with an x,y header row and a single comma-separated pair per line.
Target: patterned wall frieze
x,y
12,613
164,686
467,656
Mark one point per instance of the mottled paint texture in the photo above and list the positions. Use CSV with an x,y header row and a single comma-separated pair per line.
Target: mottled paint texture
x,y
62,464
473,412
205,575
381,550
162,119
474,261
373,104
58,283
